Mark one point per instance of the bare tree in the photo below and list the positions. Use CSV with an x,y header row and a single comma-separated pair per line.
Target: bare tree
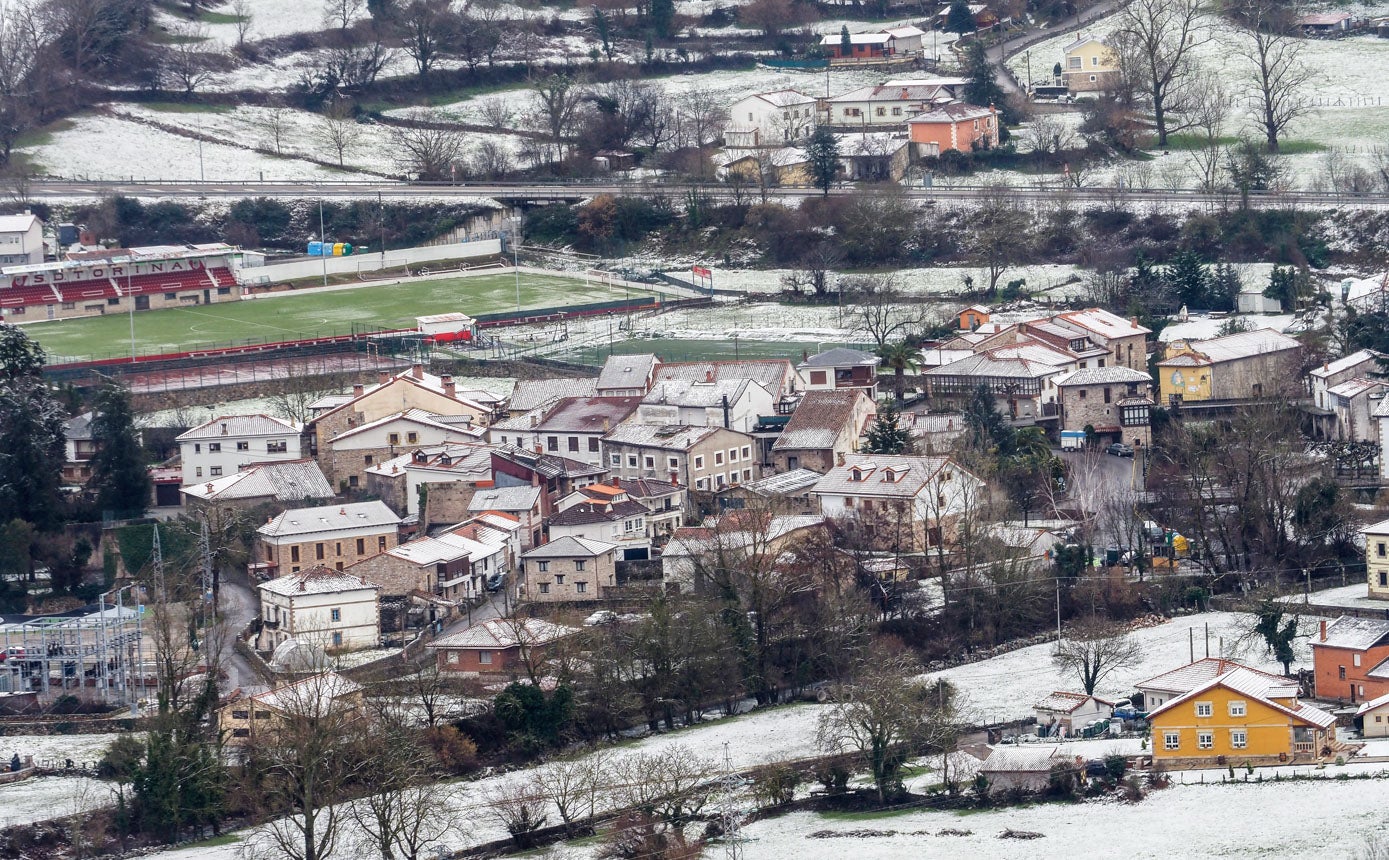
x,y
574,786
557,99
400,814
1210,109
22,43
1048,133
427,150
338,130
773,16
999,227
1278,78
425,27
498,112
672,785
277,121
1094,651
352,68
186,60
521,809
878,308
703,114
241,12
341,13
1162,35
491,160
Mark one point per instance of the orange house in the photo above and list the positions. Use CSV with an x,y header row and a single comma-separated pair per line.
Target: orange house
x,y
973,317
862,46
954,126
1350,657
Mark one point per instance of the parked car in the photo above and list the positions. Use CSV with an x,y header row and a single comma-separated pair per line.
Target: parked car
x,y
1119,449
494,581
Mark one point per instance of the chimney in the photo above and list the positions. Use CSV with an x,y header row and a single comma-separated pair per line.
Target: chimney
x,y
607,425
209,488
709,375
417,370
450,388
224,428
301,584
1133,321
539,451
383,376
617,482
840,458
674,478
342,512
1326,365
1323,630
358,390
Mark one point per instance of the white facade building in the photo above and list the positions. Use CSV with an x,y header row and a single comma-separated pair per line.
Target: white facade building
x,y
21,240
225,444
732,403
770,119
323,607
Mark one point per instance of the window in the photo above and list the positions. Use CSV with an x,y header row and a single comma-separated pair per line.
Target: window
x,y
747,474
484,657
1094,61
337,548
1082,394
732,455
198,449
1237,709
1239,739
559,579
544,588
276,446
817,377
361,546
573,443
1383,577
581,588
650,462
393,438
672,463
593,444
215,471
699,463
1355,658
69,306
542,566
214,447
1093,79
702,484
369,459
632,461
335,614
1342,673
224,291
294,553
318,551
198,472
552,443
241,733
1204,709
241,715
1205,740
113,301
1171,740
381,543
337,640
1379,549
1073,63
896,111
718,458
615,459
747,452
881,111
243,446
1106,395
579,565
848,501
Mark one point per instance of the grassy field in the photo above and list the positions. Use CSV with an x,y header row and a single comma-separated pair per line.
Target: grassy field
x,y
307,314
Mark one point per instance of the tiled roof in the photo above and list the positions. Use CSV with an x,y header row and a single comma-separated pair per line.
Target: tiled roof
x,y
695,395
671,437
240,425
446,547
1256,685
1357,634
954,112
773,374
1115,375
570,547
79,427
329,518
534,393
316,580
1357,386
1101,322
522,498
505,633
821,418
587,414
909,473
1244,344
842,356
418,417
1192,675
783,483
547,465
622,372
309,696
1344,363
649,488
286,481
1066,702
589,513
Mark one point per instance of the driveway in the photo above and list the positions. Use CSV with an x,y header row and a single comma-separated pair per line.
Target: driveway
x,y
237,605
1000,53
494,607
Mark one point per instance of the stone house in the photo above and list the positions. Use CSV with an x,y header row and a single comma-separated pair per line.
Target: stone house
x,y
825,428
1245,366
1113,401
569,570
449,475
324,695
702,458
324,607
332,536
348,455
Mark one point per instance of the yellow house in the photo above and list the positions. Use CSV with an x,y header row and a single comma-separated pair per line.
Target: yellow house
x,y
1243,366
787,165
1241,715
1090,66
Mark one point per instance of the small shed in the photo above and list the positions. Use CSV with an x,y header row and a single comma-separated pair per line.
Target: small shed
x,y
1255,302
1324,23
1374,718
1063,714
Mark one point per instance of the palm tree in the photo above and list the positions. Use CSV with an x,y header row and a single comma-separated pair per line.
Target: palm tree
x,y
901,357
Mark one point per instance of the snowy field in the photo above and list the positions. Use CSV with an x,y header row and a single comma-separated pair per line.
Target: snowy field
x,y
46,797
79,748
1306,820
1353,596
1053,278
1006,687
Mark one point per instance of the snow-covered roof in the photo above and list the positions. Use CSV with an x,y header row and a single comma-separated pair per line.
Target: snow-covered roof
x,y
1115,375
1195,674
570,547
1255,685
1067,703
240,425
17,223
1002,363
906,31
1379,528
1322,19
1082,40
521,498
773,374
445,548
856,39
317,580
418,417
591,513
842,356
668,437
1357,386
505,633
695,395
784,98
1357,634
1344,363
298,521
881,475
821,418
1101,322
622,372
1020,759
285,481
1232,347
309,696
79,427
954,112
783,483
536,393
587,414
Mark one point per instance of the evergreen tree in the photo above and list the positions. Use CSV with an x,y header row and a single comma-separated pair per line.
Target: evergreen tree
x,y
982,87
1288,285
1187,277
1225,285
1250,169
885,435
846,44
958,19
119,475
662,17
985,425
604,31
31,434
823,152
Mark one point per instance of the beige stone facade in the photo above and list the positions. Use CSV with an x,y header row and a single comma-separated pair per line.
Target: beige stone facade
x,y
567,570
396,576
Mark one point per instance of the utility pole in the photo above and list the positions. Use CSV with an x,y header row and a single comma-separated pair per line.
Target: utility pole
x,y
1058,609
323,238
729,815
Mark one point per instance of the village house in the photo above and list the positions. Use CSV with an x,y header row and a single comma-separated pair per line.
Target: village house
x,y
288,481
958,126
225,444
1022,378
247,718
873,156
1111,402
825,428
556,476
917,498
1062,714
1332,373
1089,66
787,166
890,104
731,403
1324,24
537,394
776,375
1372,718
21,240
600,512
78,449
508,648
702,458
520,502
349,454
862,46
974,316
567,570
626,375
1239,715
332,535
1350,659
444,476
333,610
770,119
840,367
749,539
1027,768
573,427
1160,689
1354,407
1245,366
786,492
457,565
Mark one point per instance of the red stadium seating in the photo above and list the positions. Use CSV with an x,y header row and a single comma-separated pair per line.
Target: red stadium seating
x,y
27,296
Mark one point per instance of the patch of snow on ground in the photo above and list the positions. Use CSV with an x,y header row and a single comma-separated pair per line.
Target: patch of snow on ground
x,y
1353,596
45,797
1006,687
933,280
45,748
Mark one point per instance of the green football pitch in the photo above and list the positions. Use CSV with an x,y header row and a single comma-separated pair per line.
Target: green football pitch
x,y
317,313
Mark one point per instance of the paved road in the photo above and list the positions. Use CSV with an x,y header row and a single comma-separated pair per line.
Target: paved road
x,y
542,192
495,607
998,54
238,605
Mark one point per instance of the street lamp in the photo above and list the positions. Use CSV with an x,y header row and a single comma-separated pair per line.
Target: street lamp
x,y
130,297
516,256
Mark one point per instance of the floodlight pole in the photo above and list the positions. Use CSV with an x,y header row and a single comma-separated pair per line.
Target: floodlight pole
x,y
130,296
321,239
516,256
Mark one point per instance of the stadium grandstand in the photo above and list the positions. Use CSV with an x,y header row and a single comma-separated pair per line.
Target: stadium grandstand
x,y
109,280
